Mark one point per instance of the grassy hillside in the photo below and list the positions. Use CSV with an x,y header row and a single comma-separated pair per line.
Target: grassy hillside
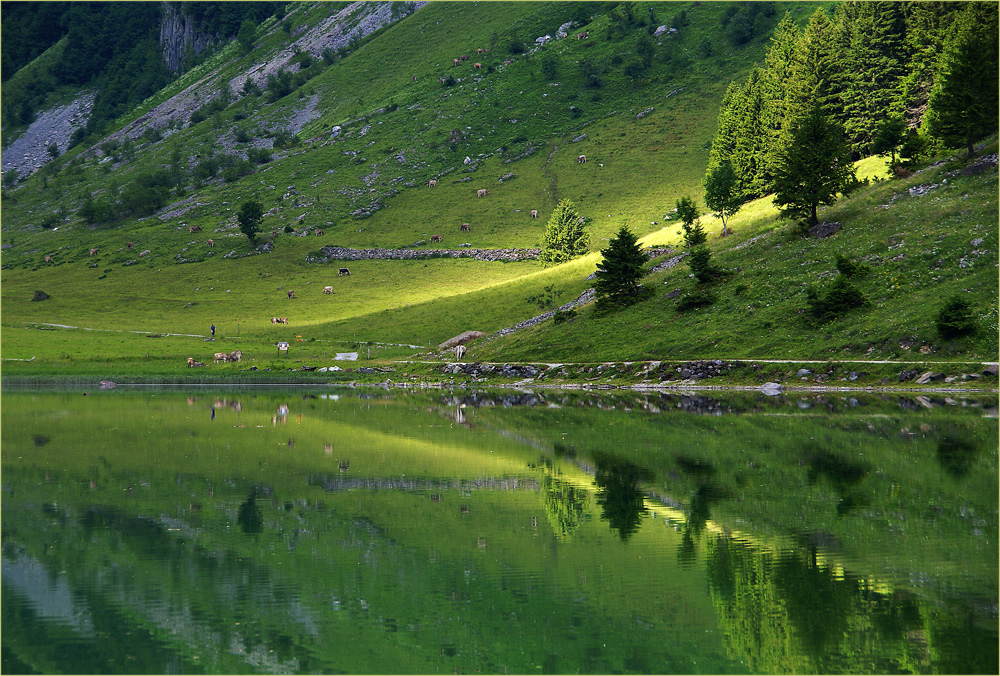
x,y
513,128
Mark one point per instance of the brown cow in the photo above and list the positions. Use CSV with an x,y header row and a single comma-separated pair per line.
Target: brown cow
x,y
464,57
93,252
432,183
274,320
480,51
477,66
582,36
534,213
236,355
435,238
194,228
211,243
282,320
327,289
318,232
455,61
190,362
130,245
291,294
581,158
48,259
464,227
481,192
274,233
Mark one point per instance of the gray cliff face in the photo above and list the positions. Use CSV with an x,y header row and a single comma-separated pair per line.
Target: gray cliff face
x,y
178,34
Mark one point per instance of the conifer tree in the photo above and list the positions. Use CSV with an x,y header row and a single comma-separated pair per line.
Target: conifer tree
x,y
964,102
617,278
565,237
814,166
874,68
687,210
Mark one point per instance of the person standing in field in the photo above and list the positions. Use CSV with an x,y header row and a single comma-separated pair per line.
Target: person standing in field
x,y
213,330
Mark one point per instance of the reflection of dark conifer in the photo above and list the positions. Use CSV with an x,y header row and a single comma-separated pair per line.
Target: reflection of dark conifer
x,y
619,496
956,455
249,517
564,505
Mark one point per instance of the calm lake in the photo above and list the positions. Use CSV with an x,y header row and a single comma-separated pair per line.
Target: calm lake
x,y
328,530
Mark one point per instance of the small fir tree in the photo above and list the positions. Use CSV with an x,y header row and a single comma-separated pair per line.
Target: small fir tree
x,y
250,215
617,278
694,234
814,165
565,237
722,193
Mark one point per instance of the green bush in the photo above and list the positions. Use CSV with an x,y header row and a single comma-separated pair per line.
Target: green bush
x,y
842,297
849,268
956,319
563,316
695,299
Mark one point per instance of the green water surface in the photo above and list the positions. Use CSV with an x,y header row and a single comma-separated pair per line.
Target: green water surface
x,y
339,531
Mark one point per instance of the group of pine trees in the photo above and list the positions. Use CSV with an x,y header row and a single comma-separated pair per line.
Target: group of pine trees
x,y
870,78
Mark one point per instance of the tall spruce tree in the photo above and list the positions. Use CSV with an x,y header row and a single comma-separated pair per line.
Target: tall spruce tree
x,y
565,237
617,278
964,102
814,166
877,54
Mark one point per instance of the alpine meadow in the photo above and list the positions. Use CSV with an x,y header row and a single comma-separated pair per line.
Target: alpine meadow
x,y
578,183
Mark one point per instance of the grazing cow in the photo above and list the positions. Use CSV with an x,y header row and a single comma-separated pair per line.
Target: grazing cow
x,y
130,245
274,320
291,294
221,356
480,51
194,228
236,355
455,61
432,183
211,243
414,78
327,289
464,227
581,159
464,57
48,259
190,362
481,192
582,36
274,233
318,232
477,66
93,252
507,62
534,213
343,272
459,352
282,320
435,238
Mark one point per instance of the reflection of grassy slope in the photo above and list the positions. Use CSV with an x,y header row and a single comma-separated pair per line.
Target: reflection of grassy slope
x,y
325,536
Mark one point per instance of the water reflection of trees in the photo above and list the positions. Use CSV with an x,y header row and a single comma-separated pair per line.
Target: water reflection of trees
x,y
622,502
564,505
789,612
249,516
